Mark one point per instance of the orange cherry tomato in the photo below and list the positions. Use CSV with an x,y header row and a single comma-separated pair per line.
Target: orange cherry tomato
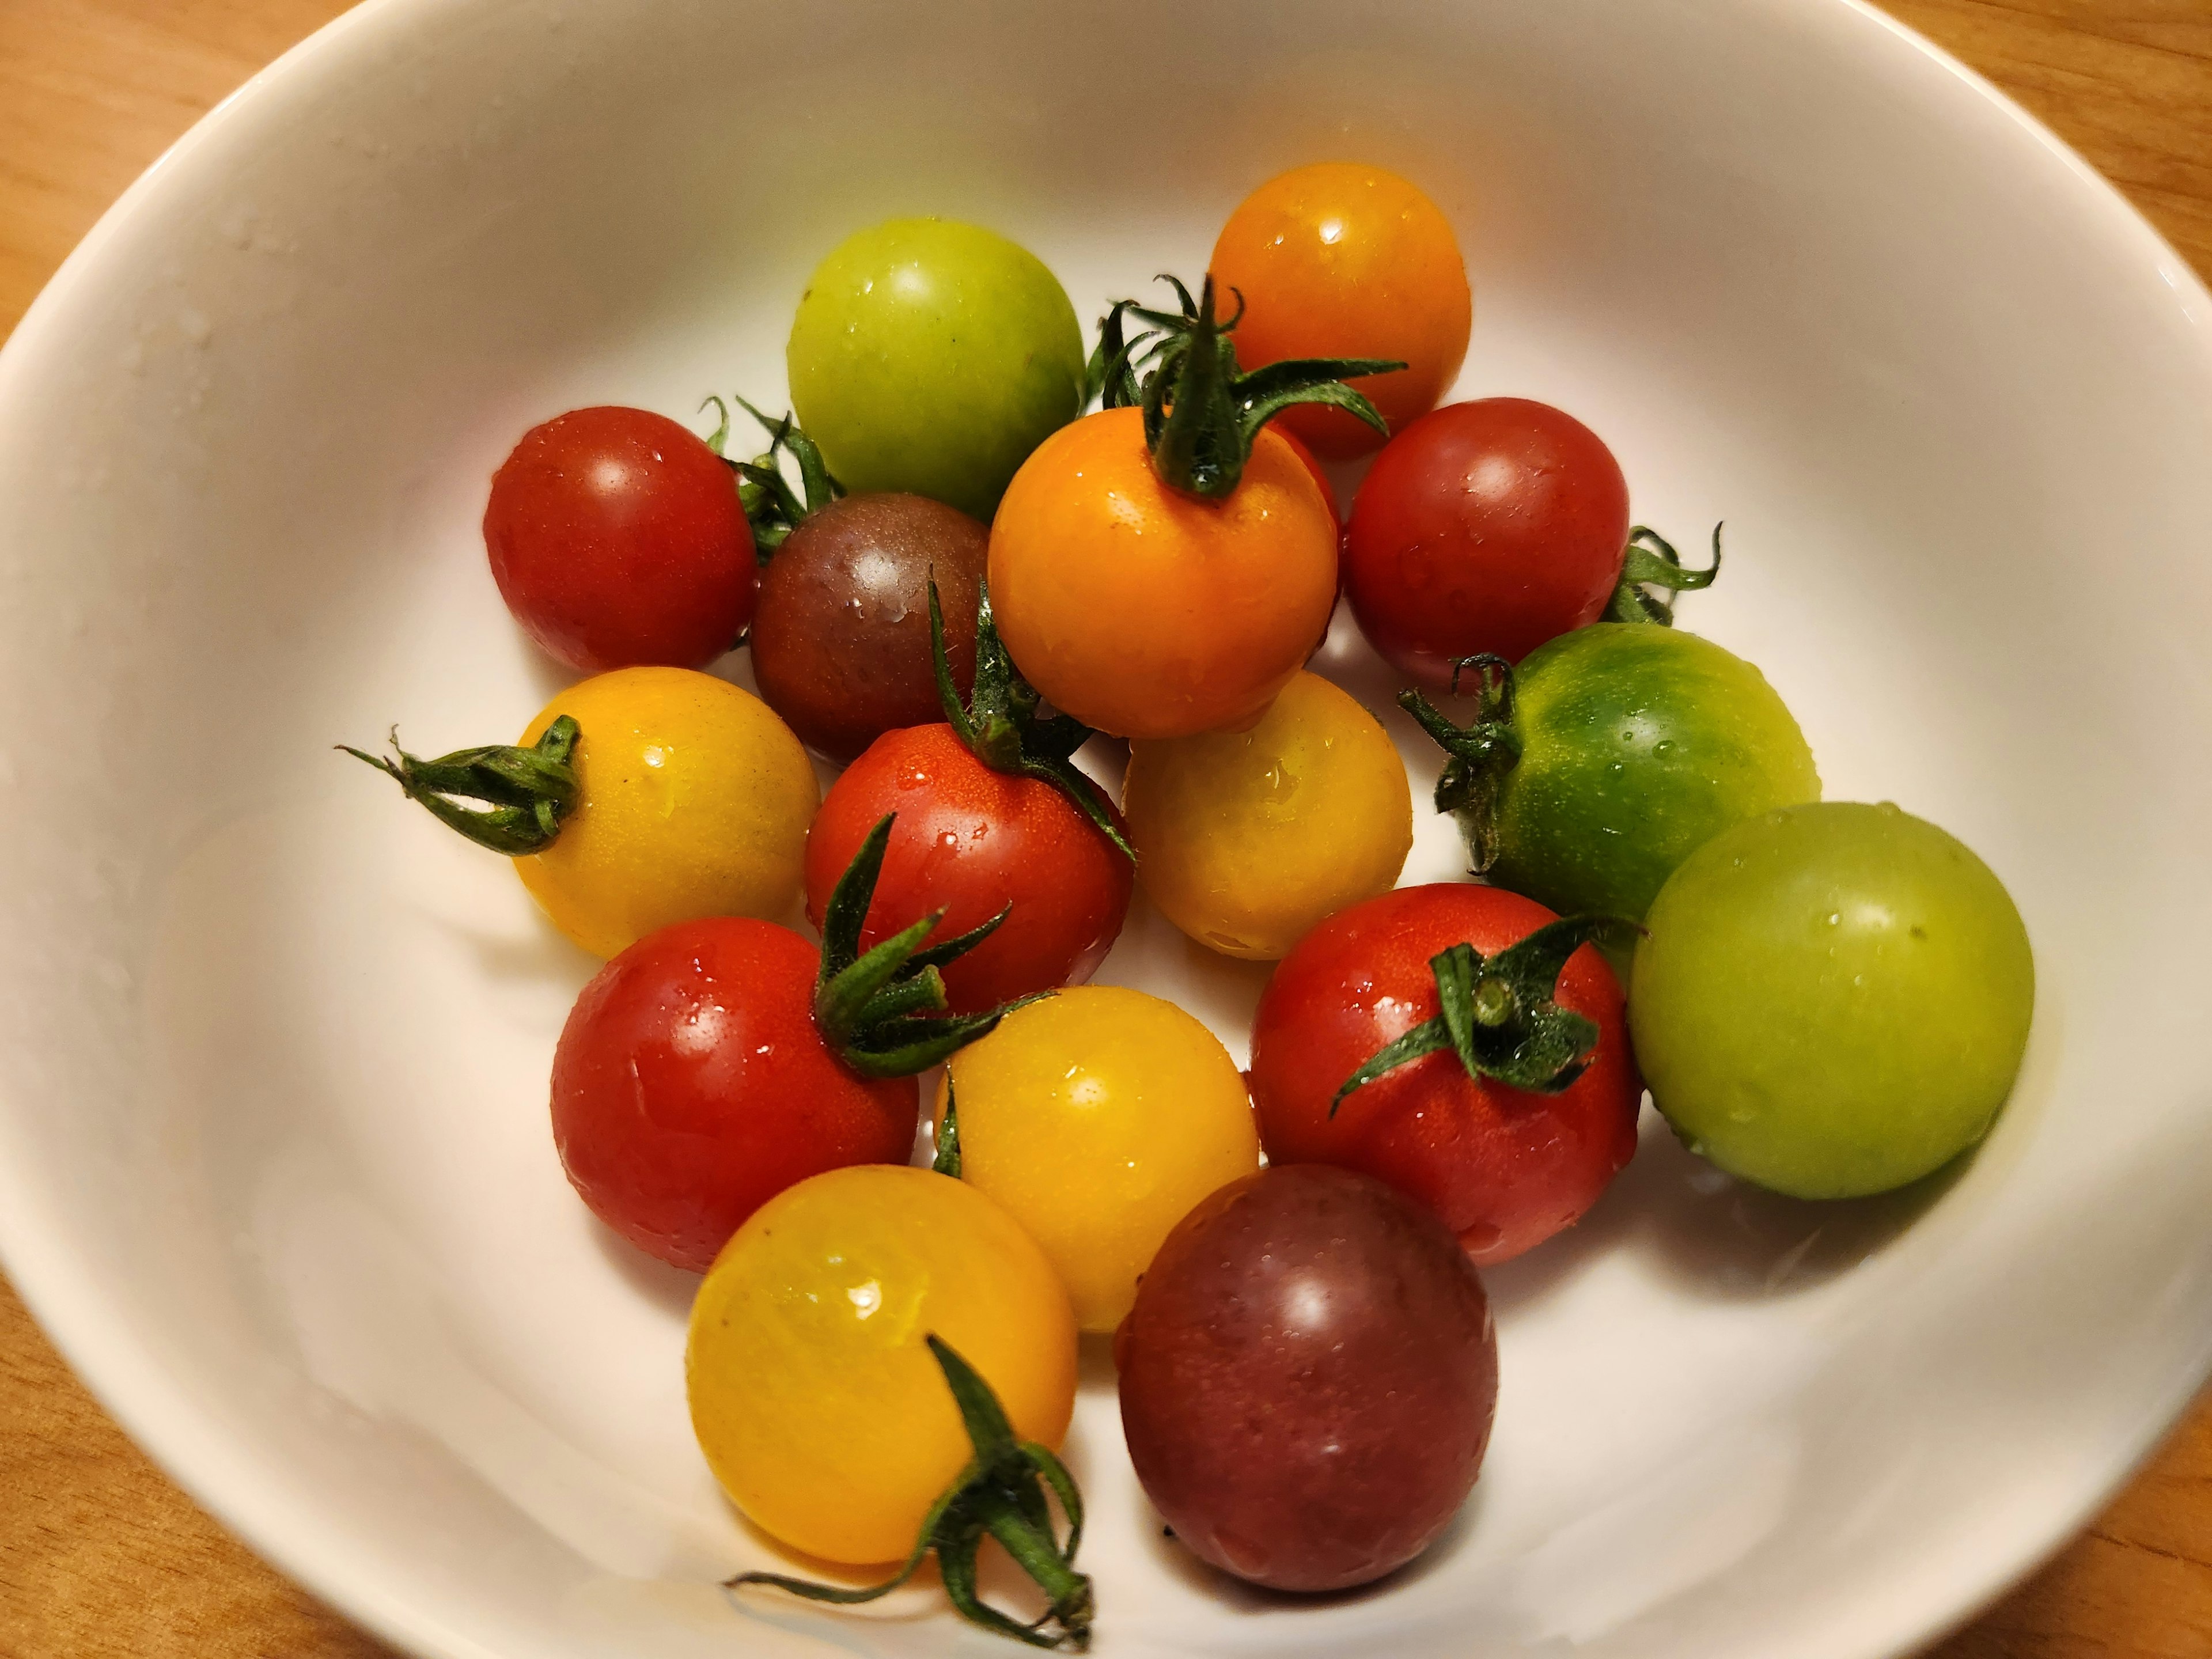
x,y
1341,260
1148,613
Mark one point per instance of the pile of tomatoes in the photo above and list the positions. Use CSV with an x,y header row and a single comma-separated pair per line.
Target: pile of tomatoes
x,y
950,578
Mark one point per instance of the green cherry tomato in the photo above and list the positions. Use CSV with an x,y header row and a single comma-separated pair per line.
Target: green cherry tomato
x,y
1638,745
1831,1000
932,356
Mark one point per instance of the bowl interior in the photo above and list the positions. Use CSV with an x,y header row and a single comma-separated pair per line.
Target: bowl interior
x,y
274,1164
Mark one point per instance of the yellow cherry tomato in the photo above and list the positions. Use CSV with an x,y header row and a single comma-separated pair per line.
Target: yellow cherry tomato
x,y
1097,1118
695,801
1245,840
817,1405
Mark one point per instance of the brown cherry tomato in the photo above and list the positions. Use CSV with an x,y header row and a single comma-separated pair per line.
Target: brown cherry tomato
x,y
841,643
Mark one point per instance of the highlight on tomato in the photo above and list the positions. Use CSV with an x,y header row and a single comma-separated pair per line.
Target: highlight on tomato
x,y
994,819
1339,259
1463,1043
1164,566
714,1064
880,1366
635,799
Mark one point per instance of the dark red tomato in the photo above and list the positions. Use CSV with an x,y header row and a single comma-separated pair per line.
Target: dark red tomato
x,y
1504,1168
690,1087
841,644
971,841
1308,1378
1491,526
616,539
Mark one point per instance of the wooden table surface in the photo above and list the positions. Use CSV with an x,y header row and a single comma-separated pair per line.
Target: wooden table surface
x,y
99,1555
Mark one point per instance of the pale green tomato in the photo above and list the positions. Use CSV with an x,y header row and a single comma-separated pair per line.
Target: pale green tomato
x,y
1833,999
932,356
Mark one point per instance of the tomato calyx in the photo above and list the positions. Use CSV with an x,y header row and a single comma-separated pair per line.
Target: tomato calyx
x,y
771,507
1499,1014
1202,411
526,794
1001,1492
1000,723
1651,562
1479,753
881,1011
947,1138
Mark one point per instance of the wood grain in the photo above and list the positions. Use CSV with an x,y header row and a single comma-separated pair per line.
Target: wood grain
x,y
100,1556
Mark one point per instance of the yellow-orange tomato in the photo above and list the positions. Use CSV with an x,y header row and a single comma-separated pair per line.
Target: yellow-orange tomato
x,y
1148,613
1341,260
1246,840
695,801
816,1401
1098,1117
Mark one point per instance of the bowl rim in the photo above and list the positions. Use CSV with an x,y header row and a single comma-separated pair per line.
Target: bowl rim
x,y
250,1494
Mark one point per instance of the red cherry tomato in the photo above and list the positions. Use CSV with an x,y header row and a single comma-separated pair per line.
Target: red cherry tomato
x,y
690,1086
616,539
1491,526
971,841
1308,1378
1505,1168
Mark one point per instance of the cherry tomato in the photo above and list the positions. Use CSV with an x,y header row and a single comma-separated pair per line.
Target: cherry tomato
x,y
1832,1000
1148,613
840,645
1631,746
1340,260
1247,839
1312,465
1308,1379
932,356
694,802
1505,1168
616,538
690,1086
1097,1117
1489,527
971,842
817,1405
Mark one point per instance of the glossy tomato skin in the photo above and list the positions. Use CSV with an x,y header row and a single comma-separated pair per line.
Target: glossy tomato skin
x,y
695,800
1097,1117
1638,745
1491,526
816,1401
1832,1000
1246,839
1343,260
690,1087
1503,1168
1148,613
616,538
841,643
932,356
1308,1378
971,842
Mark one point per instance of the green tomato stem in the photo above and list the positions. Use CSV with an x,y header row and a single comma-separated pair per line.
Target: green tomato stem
x,y
1001,1494
1500,1015
527,794
1651,562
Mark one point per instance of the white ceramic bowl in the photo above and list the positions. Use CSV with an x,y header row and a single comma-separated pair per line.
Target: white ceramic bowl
x,y
274,1164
